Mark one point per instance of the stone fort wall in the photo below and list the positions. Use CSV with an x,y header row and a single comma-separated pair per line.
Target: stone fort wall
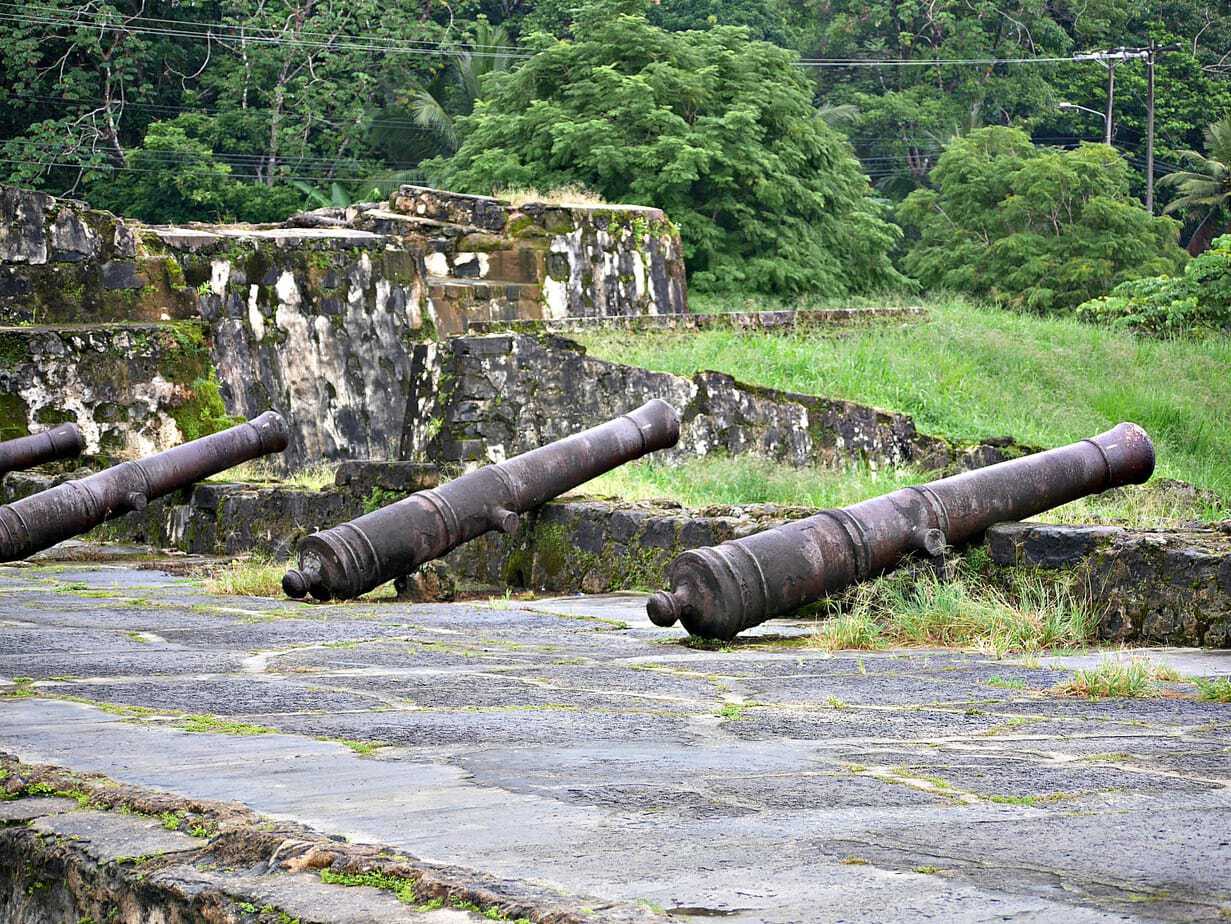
x,y
147,335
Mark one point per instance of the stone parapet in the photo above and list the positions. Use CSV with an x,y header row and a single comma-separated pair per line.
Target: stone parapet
x,y
485,399
1165,586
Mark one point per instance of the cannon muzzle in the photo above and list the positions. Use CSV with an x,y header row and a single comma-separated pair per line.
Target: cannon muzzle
x,y
718,591
41,520
351,559
62,442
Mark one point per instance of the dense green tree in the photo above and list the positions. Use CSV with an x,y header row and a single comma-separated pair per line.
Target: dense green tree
x,y
1034,227
293,91
717,129
909,112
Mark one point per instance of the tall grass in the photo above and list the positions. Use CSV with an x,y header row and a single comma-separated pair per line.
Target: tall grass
x,y
974,371
747,480
1118,677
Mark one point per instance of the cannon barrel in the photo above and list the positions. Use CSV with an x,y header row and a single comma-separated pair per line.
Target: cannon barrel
x,y
351,559
62,442
41,520
718,591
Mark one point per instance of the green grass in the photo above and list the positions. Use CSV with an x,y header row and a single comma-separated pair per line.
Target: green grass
x,y
260,471
1216,690
261,577
906,609
722,480
973,371
255,577
1133,678
748,480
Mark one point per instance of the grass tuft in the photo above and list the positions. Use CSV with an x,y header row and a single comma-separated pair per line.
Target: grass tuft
x,y
250,577
1214,690
921,609
1115,677
261,577
260,471
560,195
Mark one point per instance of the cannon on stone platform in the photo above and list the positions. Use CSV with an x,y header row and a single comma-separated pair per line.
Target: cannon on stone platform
x,y
718,591
62,442
351,559
41,520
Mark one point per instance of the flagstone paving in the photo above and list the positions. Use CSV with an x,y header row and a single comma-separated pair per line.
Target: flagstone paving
x,y
571,745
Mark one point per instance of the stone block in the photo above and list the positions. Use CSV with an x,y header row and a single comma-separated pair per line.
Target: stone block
x,y
121,274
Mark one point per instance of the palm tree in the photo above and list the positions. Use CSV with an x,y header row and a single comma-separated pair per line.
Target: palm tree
x,y
461,82
1205,188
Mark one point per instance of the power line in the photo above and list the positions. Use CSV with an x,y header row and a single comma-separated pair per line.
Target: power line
x,y
167,107
330,45
67,15
112,168
925,62
190,29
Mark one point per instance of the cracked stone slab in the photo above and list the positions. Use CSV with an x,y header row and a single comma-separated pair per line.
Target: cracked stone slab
x,y
111,837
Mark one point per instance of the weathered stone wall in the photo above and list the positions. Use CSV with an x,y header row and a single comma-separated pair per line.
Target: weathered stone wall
x,y
585,261
484,399
61,262
132,389
318,318
1169,587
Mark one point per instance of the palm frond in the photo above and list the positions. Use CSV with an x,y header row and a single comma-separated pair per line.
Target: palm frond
x,y
428,112
838,116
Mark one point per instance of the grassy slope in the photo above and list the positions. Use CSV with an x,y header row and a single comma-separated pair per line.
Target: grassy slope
x,y
973,372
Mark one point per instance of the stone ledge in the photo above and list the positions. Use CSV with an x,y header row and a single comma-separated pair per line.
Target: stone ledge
x,y
766,321
1150,586
117,861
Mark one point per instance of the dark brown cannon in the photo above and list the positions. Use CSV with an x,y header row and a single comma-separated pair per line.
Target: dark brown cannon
x,y
718,591
62,442
356,557
41,520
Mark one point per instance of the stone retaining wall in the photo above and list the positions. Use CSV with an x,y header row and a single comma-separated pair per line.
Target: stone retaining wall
x,y
484,399
1168,587
318,318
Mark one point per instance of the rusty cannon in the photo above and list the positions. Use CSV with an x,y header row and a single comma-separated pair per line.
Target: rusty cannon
x,y
351,559
62,442
41,520
718,591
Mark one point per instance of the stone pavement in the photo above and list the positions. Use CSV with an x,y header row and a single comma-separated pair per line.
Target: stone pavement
x,y
570,746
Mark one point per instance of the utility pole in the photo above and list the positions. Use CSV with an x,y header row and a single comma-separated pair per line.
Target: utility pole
x,y
1109,60
1150,127
1152,53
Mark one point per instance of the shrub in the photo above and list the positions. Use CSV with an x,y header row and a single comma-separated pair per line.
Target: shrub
x,y
1198,300
1031,227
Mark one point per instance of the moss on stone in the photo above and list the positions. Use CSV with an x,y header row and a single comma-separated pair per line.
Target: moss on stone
x,y
203,413
14,348
14,417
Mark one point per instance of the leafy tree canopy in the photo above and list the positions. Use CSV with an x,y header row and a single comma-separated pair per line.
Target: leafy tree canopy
x,y
717,129
1039,228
